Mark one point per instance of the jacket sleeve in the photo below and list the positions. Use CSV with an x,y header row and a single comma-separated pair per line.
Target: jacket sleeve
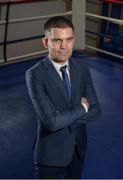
x,y
94,106
51,117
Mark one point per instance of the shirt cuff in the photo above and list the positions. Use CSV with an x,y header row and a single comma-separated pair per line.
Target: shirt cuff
x,y
86,109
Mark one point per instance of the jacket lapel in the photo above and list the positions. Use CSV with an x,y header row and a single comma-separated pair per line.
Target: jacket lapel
x,y
73,78
56,79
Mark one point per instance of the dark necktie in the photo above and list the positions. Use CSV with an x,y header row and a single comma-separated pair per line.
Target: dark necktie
x,y
66,80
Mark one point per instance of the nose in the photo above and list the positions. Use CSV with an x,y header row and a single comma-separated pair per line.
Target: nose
x,y
63,44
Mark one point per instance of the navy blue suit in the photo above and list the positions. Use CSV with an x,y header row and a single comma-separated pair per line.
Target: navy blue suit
x,y
61,121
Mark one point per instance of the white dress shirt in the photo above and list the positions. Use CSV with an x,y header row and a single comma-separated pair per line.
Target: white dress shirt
x,y
57,67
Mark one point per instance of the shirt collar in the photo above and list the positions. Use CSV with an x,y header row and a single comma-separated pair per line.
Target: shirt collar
x,y
58,66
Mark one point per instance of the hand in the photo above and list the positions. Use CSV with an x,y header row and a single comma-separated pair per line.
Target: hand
x,y
85,102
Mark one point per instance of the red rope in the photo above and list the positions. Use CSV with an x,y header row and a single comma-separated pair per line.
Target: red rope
x,y
114,1
19,1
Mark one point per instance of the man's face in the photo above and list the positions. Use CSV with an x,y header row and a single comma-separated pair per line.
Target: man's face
x,y
60,42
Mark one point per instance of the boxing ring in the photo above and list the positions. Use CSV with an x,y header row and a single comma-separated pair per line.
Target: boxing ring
x,y
6,22
78,15
19,51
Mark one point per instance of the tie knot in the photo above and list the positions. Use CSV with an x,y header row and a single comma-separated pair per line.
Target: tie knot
x,y
63,68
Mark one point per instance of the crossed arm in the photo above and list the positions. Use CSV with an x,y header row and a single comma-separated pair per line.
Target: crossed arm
x,y
52,118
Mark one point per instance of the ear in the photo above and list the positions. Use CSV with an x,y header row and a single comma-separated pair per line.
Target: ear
x,y
45,42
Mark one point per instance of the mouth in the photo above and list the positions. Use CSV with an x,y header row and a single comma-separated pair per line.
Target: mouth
x,y
64,53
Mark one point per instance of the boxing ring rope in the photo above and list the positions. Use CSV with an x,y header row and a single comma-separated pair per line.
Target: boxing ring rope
x,y
20,20
114,1
103,51
30,19
4,2
113,20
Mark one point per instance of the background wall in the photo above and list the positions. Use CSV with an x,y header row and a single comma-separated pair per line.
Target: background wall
x,y
28,29
35,28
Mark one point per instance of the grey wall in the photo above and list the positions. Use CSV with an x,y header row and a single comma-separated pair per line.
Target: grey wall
x,y
28,29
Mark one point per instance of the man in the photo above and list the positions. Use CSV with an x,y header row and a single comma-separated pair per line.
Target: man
x,y
63,96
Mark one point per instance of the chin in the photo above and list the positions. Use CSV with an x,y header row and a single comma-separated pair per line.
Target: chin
x,y
63,60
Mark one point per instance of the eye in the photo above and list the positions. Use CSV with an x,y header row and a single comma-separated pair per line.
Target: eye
x,y
70,39
56,40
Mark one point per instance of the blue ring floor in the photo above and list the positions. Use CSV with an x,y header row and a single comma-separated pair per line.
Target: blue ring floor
x,y
104,157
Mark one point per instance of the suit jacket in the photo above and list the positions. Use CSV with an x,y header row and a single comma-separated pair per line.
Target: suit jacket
x,y
61,121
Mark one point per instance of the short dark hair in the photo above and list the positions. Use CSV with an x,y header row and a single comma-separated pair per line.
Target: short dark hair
x,y
57,22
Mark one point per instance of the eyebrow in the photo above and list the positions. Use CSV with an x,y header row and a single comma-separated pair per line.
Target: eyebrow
x,y
71,37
